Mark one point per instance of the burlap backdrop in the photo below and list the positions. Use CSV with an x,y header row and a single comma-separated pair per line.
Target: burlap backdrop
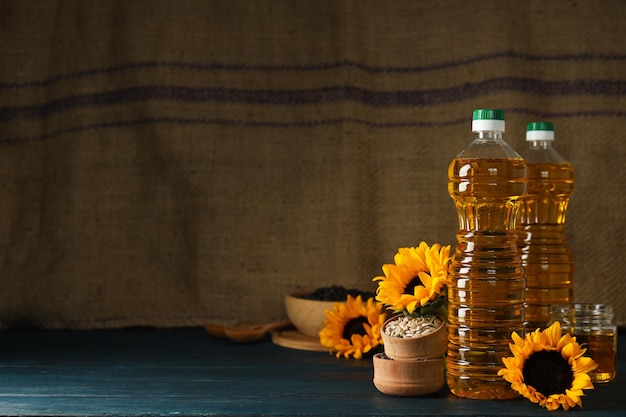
x,y
173,163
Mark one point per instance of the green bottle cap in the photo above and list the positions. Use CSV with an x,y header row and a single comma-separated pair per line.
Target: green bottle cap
x,y
488,114
540,126
488,119
539,131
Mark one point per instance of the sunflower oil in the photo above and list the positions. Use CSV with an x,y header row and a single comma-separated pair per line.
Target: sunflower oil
x,y
486,288
546,254
601,348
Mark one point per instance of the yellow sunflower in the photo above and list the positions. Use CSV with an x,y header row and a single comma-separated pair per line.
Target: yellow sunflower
x,y
416,278
548,368
353,328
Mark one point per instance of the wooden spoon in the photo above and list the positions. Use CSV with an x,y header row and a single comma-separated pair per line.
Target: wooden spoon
x,y
246,333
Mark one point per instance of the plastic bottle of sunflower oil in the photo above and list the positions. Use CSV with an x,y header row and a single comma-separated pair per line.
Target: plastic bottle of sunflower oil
x,y
546,254
486,289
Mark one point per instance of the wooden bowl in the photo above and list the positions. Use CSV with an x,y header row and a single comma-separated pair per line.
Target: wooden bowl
x,y
431,345
408,378
307,315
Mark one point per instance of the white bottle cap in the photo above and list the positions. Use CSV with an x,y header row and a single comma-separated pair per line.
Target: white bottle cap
x,y
539,131
488,119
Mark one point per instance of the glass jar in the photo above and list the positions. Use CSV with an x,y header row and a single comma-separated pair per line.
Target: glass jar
x,y
594,328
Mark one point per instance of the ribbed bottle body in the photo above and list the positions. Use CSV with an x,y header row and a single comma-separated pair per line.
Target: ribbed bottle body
x,y
487,287
542,241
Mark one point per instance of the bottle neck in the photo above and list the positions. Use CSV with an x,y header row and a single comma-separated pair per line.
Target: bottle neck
x,y
540,144
488,135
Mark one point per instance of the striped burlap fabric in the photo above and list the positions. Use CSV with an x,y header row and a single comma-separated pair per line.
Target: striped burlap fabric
x,y
175,163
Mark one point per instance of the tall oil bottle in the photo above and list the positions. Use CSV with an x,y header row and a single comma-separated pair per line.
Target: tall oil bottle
x,y
546,254
487,286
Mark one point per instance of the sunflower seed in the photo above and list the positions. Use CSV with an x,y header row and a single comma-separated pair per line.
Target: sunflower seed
x,y
407,327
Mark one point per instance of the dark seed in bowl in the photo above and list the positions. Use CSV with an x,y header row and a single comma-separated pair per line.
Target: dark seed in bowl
x,y
337,293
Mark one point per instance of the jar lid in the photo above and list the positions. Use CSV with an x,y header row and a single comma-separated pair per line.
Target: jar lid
x,y
579,310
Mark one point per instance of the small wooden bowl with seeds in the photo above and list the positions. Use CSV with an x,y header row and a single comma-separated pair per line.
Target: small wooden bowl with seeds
x,y
409,338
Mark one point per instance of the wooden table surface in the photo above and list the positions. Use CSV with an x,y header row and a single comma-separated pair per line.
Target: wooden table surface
x,y
186,372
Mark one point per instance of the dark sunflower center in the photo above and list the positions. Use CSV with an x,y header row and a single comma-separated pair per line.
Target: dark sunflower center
x,y
410,287
354,326
548,372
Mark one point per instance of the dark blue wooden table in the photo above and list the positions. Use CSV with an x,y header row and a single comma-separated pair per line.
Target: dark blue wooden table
x,y
186,372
